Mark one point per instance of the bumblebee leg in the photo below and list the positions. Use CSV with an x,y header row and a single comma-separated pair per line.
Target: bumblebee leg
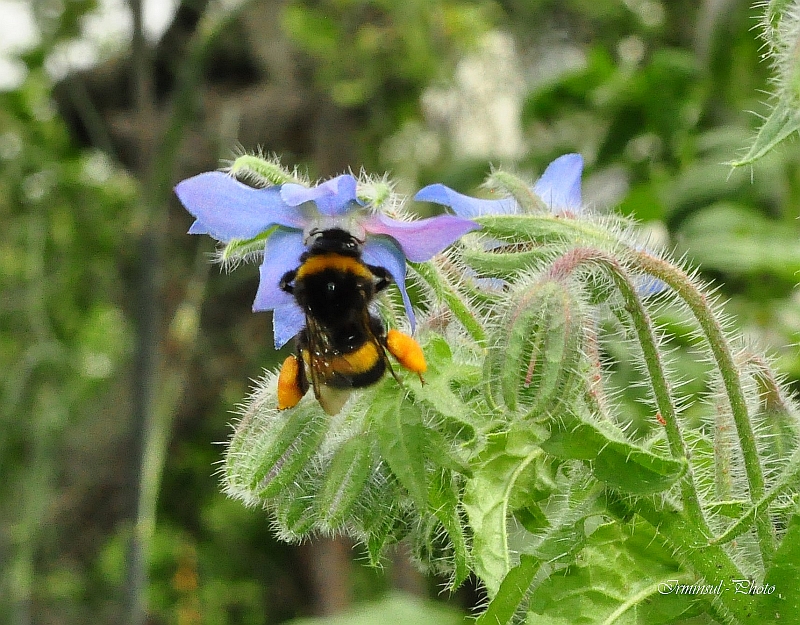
x,y
286,279
407,352
384,277
292,383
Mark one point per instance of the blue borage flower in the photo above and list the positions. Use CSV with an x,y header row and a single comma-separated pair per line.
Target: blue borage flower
x,y
228,210
559,188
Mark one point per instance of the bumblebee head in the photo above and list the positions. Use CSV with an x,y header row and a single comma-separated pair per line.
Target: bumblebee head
x,y
333,240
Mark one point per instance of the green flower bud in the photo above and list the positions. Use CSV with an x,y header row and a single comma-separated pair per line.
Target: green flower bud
x,y
534,363
270,447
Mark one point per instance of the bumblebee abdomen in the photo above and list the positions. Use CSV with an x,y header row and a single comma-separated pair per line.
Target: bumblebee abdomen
x,y
358,368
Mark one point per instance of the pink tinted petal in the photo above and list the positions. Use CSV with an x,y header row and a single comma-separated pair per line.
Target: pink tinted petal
x,y
228,209
332,197
384,253
464,205
560,184
422,239
281,254
287,321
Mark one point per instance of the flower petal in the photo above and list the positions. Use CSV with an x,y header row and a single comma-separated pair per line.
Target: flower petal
x,y
648,285
560,184
197,228
422,239
228,209
281,254
385,253
287,321
464,205
332,197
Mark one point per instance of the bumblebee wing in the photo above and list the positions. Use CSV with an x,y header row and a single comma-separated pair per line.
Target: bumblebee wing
x,y
320,353
378,332
332,399
315,355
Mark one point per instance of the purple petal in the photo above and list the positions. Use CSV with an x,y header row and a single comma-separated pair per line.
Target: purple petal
x,y
560,184
422,239
332,197
287,321
464,205
385,253
281,254
228,209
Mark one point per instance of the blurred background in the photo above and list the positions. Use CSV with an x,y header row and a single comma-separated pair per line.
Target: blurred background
x,y
124,352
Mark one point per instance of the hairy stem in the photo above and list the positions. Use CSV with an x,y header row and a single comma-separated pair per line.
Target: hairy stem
x,y
445,292
655,367
697,302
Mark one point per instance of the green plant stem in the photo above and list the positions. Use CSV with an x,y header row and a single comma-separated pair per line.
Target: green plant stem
x,y
431,274
153,414
785,481
655,367
697,302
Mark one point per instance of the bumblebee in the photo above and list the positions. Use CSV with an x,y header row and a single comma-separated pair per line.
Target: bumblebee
x,y
342,346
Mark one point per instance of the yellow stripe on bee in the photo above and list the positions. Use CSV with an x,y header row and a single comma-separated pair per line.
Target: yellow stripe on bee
x,y
359,361
289,391
348,264
406,350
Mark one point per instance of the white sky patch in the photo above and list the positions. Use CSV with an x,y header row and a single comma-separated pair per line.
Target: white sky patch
x,y
104,32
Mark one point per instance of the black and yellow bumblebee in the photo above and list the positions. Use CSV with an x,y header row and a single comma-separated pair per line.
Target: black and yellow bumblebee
x,y
343,345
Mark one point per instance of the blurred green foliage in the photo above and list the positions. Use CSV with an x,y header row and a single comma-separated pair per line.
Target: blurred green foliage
x,y
655,95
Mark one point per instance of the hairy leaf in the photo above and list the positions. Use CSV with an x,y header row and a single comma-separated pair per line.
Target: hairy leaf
x,y
622,577
402,440
618,463
486,500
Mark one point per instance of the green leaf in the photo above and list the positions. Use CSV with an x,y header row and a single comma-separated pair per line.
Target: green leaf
x,y
511,593
536,228
620,578
378,516
262,171
783,121
444,499
346,477
579,498
499,264
402,438
487,497
548,229
442,376
781,601
237,250
296,443
294,508
560,532
618,463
